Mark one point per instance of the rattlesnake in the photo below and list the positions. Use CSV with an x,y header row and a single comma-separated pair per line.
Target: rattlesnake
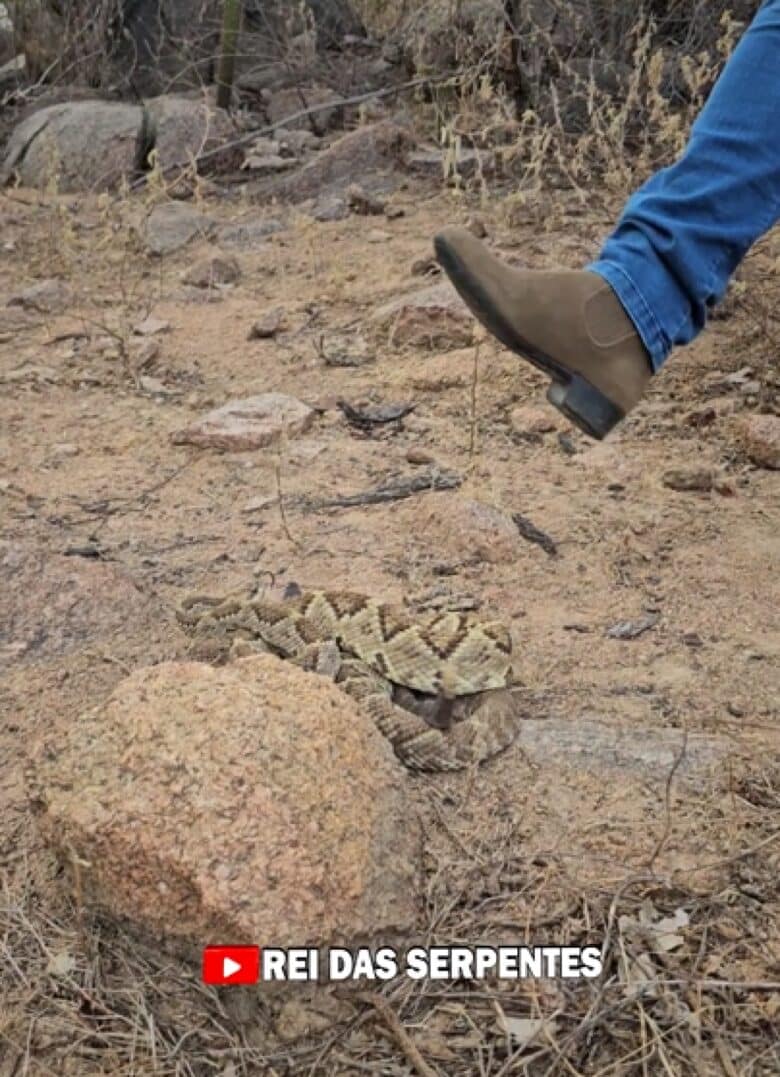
x,y
380,655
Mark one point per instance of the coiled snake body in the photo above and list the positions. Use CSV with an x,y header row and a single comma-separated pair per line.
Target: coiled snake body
x,y
380,655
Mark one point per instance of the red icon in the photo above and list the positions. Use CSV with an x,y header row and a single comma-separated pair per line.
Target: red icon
x,y
231,964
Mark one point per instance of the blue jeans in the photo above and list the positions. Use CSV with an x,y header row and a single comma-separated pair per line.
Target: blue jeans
x,y
682,235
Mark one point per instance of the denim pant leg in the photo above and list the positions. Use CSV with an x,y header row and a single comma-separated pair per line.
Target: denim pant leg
x,y
682,235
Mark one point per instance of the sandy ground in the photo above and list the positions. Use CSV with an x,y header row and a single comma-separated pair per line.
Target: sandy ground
x,y
88,468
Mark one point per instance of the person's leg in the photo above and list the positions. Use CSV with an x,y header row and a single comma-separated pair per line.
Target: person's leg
x,y
682,235
599,333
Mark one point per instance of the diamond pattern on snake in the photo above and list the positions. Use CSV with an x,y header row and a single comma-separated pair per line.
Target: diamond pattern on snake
x,y
436,685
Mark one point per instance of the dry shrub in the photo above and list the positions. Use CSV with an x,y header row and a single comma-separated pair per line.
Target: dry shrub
x,y
579,93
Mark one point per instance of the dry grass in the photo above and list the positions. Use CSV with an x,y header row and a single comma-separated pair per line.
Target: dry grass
x,y
598,123
677,996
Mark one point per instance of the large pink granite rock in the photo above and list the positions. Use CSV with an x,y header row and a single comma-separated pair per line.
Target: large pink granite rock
x,y
251,803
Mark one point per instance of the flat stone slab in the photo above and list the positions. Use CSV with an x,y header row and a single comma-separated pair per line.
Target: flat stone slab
x,y
251,423
585,744
54,605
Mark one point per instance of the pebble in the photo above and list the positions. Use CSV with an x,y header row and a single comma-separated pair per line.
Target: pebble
x,y
761,439
419,456
689,479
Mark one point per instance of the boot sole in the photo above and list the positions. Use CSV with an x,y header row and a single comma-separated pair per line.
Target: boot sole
x,y
572,394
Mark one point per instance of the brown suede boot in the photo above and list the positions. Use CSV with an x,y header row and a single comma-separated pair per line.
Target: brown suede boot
x,y
567,322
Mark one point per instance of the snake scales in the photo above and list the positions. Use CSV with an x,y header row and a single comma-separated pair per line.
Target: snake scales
x,y
380,656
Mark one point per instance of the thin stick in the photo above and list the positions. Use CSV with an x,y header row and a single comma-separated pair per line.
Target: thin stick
x,y
395,490
742,855
280,501
404,1040
668,802
473,403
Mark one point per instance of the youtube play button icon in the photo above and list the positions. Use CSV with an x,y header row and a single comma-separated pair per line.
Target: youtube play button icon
x,y
231,965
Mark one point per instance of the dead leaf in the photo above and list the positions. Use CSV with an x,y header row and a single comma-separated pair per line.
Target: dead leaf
x,y
61,964
665,931
149,326
524,1031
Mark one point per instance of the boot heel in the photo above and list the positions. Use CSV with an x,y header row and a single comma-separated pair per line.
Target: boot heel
x,y
579,401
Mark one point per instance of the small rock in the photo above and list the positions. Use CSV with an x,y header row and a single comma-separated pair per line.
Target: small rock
x,y
154,386
105,346
188,293
750,388
251,423
738,377
213,271
692,639
466,529
419,456
529,420
606,750
435,317
249,233
46,296
701,417
269,325
476,225
265,147
376,235
686,479
760,435
393,212
345,351
633,629
66,449
724,486
172,225
330,209
150,326
364,204
567,443
295,142
425,267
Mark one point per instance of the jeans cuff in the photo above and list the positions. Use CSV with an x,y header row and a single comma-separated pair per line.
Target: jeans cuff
x,y
637,308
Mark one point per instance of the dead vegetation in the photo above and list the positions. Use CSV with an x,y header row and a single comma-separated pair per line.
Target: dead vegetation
x,y
684,902
687,984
